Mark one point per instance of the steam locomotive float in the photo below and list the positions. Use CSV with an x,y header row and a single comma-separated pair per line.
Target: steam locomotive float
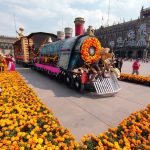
x,y
71,60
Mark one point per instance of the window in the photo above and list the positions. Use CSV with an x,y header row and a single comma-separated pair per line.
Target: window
x,y
6,46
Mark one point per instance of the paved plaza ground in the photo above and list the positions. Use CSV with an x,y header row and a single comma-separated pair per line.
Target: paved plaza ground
x,y
87,113
144,68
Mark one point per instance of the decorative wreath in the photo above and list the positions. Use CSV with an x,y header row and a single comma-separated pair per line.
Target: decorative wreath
x,y
90,50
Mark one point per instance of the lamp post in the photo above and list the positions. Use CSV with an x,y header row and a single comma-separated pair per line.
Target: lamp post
x,y
144,55
30,49
148,46
112,44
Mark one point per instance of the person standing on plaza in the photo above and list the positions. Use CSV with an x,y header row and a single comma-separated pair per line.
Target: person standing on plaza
x,y
136,66
120,63
116,63
5,63
11,66
1,63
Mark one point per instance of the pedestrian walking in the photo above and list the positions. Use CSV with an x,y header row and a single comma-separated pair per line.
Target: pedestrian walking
x,y
135,67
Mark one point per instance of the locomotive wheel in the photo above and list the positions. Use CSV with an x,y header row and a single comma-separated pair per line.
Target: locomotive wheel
x,y
77,84
68,80
60,77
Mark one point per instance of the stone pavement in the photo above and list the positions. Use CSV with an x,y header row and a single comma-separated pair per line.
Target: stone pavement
x,y
86,113
144,68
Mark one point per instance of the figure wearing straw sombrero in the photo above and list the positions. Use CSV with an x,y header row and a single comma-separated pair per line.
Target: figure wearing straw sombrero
x,y
1,62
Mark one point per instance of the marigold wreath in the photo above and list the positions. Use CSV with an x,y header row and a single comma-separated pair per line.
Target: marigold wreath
x,y
90,50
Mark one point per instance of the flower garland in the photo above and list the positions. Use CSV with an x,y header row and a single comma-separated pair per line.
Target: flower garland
x,y
90,42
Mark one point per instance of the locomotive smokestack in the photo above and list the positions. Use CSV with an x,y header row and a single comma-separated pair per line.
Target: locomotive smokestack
x,y
60,35
79,24
68,32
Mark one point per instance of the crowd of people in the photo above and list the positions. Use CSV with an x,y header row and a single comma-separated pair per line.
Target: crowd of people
x,y
7,63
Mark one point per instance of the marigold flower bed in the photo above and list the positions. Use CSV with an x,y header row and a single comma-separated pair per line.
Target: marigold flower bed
x,y
135,79
25,123
132,133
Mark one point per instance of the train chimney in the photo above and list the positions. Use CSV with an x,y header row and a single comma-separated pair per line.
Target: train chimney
x,y
60,35
79,25
68,32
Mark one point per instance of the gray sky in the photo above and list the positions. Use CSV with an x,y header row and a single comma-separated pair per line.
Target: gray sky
x,y
53,15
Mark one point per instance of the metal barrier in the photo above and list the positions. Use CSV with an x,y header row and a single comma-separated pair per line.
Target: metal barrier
x,y
106,86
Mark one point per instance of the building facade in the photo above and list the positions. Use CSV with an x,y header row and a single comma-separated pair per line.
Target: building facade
x,y
128,39
6,45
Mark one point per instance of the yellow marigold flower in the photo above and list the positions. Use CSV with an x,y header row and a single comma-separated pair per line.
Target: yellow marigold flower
x,y
32,132
116,145
28,136
45,133
1,134
40,140
8,142
49,148
14,143
38,146
21,148
13,138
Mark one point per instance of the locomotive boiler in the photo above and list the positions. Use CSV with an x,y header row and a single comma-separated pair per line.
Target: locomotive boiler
x,y
71,61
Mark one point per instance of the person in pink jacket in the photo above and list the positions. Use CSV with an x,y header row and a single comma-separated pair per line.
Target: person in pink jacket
x,y
11,65
136,66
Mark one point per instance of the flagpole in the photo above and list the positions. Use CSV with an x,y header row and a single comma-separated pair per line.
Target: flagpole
x,y
108,13
15,24
62,23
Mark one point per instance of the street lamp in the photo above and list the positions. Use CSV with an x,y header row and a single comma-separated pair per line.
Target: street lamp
x,y
148,45
30,50
145,52
112,44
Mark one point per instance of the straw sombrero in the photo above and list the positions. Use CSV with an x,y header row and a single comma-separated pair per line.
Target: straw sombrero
x,y
1,54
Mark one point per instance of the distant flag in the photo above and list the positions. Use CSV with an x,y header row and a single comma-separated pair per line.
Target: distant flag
x,y
120,20
102,20
84,30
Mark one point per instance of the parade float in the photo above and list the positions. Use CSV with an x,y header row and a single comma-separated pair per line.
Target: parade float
x,y
26,48
81,62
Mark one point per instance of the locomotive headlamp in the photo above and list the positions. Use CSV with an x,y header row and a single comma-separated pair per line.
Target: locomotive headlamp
x,y
92,50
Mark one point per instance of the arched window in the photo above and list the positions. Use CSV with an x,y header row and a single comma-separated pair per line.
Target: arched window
x,y
6,46
2,45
